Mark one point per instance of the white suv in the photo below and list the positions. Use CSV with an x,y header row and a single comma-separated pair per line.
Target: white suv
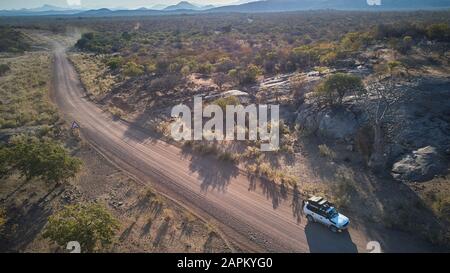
x,y
317,209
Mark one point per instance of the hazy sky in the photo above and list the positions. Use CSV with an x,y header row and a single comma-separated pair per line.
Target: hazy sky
x,y
16,4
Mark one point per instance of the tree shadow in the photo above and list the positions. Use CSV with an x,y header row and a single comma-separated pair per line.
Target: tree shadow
x,y
297,204
278,193
145,204
156,208
272,192
23,226
126,233
136,129
321,240
161,233
214,175
146,228
27,220
186,229
17,189
208,245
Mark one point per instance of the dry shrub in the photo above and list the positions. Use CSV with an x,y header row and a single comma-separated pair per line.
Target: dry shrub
x,y
326,151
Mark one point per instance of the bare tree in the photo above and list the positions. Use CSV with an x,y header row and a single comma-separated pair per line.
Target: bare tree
x,y
378,101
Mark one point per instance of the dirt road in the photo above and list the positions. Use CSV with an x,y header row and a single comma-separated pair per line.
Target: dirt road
x,y
253,215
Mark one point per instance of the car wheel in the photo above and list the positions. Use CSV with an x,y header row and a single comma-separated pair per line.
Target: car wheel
x,y
310,218
334,229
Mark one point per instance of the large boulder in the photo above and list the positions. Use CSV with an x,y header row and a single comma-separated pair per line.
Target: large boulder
x,y
419,166
338,124
308,119
422,120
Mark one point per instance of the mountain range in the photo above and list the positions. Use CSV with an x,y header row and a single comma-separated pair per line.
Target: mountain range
x,y
245,7
185,5
289,5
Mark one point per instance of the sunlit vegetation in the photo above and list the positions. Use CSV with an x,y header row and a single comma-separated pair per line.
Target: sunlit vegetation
x,y
334,88
25,106
326,151
89,224
95,73
242,49
224,102
24,92
38,158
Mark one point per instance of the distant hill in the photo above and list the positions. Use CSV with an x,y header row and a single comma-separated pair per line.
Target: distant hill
x,y
250,7
290,5
207,7
159,7
41,11
46,8
183,5
97,12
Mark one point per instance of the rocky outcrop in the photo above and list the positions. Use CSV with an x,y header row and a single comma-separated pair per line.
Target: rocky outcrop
x,y
421,120
338,124
420,165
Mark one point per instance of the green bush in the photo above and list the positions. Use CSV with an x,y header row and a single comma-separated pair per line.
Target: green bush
x,y
354,41
90,225
334,88
38,158
99,42
224,102
13,41
251,74
132,69
205,68
114,63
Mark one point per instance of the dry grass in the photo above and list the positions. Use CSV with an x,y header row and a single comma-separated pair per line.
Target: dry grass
x,y
116,112
24,92
344,190
326,151
436,194
211,149
94,73
266,171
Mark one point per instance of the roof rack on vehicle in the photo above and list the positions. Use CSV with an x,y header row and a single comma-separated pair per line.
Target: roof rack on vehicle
x,y
320,202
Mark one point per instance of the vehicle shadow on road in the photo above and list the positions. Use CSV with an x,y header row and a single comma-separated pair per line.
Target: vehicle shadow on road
x,y
322,240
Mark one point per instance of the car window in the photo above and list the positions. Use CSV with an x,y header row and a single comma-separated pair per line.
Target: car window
x,y
322,213
311,208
